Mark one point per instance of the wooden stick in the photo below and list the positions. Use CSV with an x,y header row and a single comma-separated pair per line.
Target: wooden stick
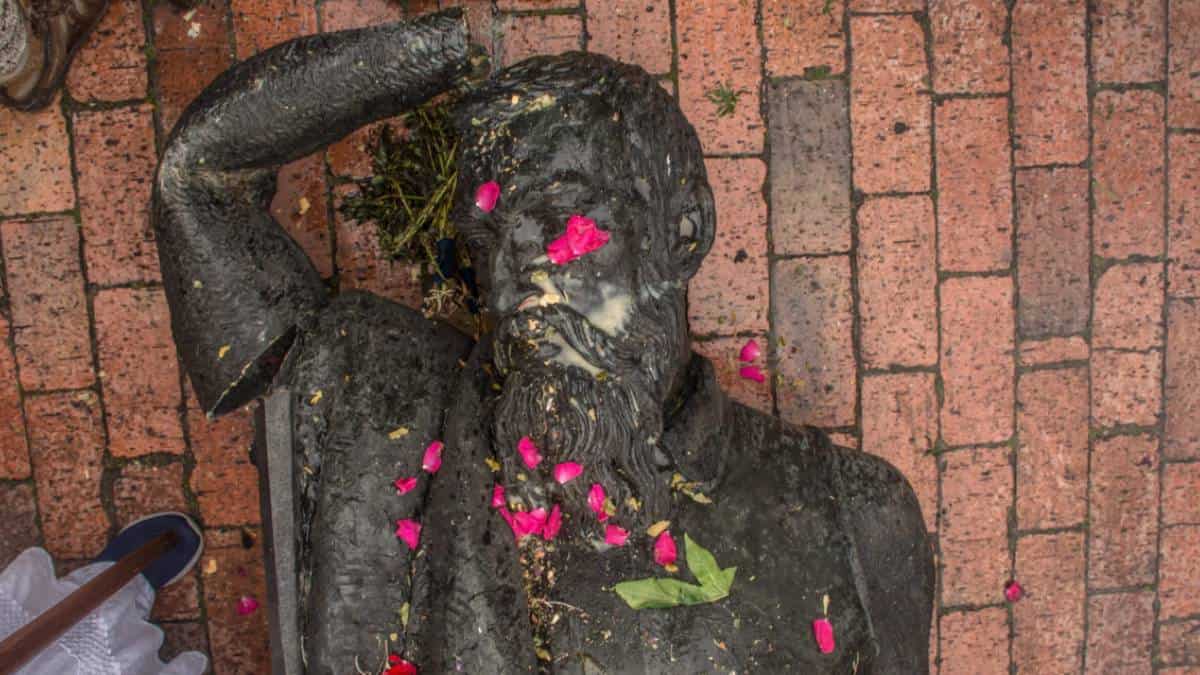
x,y
32,638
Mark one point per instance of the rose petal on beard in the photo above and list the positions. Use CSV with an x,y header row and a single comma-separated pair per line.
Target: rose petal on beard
x,y
433,457
615,535
752,373
246,605
553,524
665,552
565,472
405,485
529,452
525,523
409,532
596,498
486,196
750,351
582,237
823,633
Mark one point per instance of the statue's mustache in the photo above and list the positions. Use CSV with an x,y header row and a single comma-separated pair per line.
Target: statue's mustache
x,y
531,329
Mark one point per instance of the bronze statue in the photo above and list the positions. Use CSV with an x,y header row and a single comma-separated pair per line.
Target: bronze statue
x,y
587,380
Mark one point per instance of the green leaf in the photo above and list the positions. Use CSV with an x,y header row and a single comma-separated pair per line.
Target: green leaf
x,y
660,593
701,563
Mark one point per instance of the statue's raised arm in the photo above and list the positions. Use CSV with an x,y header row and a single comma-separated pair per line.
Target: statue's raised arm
x,y
236,282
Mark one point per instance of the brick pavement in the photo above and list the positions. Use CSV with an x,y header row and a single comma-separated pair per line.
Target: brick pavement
x,y
968,232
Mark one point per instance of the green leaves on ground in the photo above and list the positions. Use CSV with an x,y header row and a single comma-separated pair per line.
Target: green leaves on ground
x,y
660,593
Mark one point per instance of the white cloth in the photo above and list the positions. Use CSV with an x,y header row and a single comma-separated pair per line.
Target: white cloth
x,y
115,639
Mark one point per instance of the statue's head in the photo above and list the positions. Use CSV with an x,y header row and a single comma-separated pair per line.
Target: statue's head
x,y
588,350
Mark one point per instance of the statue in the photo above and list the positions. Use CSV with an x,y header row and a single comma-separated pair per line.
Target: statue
x,y
511,554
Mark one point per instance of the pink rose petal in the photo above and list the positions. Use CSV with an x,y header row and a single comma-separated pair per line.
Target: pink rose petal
x,y
246,605
525,523
752,373
486,196
596,497
433,457
582,237
409,532
529,452
823,632
615,535
405,485
750,352
664,549
399,666
567,471
498,497
553,524
1013,591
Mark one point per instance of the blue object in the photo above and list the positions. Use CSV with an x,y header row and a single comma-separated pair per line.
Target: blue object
x,y
170,566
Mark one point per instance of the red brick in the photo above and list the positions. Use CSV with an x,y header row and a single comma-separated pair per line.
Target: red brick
x,y
111,66
975,642
730,292
900,425
897,282
206,26
509,5
182,75
1126,387
977,495
886,5
803,35
1121,634
225,537
843,439
814,321
977,362
1179,643
228,493
179,637
1183,216
261,24
1128,41
523,37
1179,572
724,354
1129,305
35,158
143,489
67,446
1048,621
49,311
18,527
1049,82
352,156
481,20
889,104
633,31
1123,513
969,54
974,185
1052,463
1183,106
1182,429
225,440
179,601
361,263
346,14
239,643
139,371
1181,484
115,155
1128,173
14,451
300,206
1053,350
1053,251
810,167
718,45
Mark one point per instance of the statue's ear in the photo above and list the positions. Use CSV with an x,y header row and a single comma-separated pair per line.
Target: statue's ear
x,y
695,230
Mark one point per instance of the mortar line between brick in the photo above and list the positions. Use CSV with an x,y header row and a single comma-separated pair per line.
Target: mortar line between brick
x,y
152,84
1183,131
671,14
1014,268
1091,314
764,111
852,253
37,215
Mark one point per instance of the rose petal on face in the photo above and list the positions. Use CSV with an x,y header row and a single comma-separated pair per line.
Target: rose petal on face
x,y
750,351
405,485
567,471
582,237
615,535
553,524
409,532
246,605
1013,591
823,632
525,523
752,373
596,497
486,196
529,452
433,457
498,497
664,549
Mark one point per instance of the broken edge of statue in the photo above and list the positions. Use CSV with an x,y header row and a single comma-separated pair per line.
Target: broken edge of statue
x,y
572,492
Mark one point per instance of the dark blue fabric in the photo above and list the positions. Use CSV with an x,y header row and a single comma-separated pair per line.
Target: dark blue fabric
x,y
169,565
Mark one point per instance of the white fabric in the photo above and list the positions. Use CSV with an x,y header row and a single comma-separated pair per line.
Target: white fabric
x,y
115,639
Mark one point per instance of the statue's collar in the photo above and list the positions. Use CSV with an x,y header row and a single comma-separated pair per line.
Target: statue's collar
x,y
698,424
